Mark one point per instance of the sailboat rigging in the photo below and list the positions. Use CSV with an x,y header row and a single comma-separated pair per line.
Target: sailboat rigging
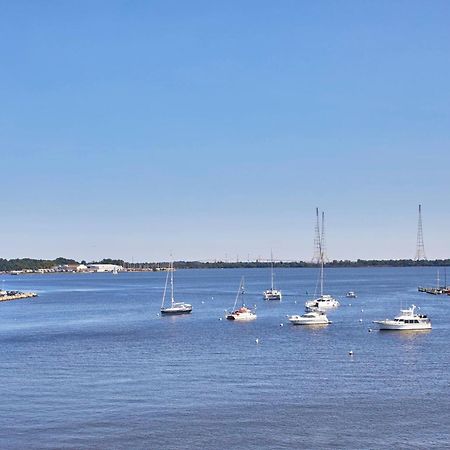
x,y
272,293
175,307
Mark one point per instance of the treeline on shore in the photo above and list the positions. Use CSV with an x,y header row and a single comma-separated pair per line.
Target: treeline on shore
x,y
21,264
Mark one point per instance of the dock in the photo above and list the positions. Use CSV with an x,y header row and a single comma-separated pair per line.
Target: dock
x,y
443,290
6,296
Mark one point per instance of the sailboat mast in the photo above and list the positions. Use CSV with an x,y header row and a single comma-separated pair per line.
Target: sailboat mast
x,y
321,254
171,283
165,290
271,268
239,292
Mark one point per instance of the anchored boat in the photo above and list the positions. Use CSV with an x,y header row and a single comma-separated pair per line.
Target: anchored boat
x,y
242,313
175,308
312,317
406,320
272,293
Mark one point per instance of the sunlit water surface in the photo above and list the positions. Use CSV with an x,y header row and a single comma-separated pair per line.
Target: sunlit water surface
x,y
90,364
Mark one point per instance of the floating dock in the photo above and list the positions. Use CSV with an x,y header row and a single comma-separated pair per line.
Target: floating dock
x,y
6,296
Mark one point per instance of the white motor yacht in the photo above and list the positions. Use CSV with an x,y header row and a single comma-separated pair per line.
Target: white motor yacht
x,y
406,320
313,317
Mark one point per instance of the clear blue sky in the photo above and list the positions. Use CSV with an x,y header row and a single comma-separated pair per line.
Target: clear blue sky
x,y
211,129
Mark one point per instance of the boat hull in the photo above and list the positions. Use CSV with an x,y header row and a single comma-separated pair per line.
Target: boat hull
x,y
175,311
241,318
302,321
387,325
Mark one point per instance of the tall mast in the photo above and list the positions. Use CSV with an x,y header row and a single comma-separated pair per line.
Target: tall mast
x,y
321,278
322,240
165,290
271,267
322,256
239,292
171,283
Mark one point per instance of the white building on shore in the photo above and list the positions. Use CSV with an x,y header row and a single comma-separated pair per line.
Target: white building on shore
x,y
104,268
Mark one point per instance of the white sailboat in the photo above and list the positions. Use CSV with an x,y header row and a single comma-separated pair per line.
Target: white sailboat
x,y
324,301
272,293
175,307
242,314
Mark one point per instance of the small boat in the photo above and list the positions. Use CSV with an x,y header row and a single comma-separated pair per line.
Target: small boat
x,y
350,294
311,317
175,308
272,293
406,320
242,313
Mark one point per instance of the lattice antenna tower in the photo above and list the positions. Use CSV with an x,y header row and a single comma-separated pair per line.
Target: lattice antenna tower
x,y
420,247
322,241
317,244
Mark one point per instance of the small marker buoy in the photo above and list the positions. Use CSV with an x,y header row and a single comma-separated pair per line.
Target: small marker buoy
x,y
349,304
360,320
203,302
220,318
362,310
350,352
370,330
281,324
257,340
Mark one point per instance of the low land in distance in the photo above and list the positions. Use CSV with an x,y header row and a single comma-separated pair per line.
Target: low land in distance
x,y
29,265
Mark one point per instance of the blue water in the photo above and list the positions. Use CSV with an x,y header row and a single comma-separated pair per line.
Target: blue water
x,y
90,364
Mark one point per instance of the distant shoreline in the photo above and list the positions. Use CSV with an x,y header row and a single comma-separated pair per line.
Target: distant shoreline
x,y
64,265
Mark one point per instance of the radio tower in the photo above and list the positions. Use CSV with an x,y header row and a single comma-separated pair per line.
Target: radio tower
x,y
317,250
420,248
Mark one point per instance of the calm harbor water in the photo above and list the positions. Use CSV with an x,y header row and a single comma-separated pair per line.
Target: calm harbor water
x,y
90,364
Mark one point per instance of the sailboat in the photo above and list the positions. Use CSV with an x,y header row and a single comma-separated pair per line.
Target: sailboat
x,y
272,293
175,307
325,301
242,313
